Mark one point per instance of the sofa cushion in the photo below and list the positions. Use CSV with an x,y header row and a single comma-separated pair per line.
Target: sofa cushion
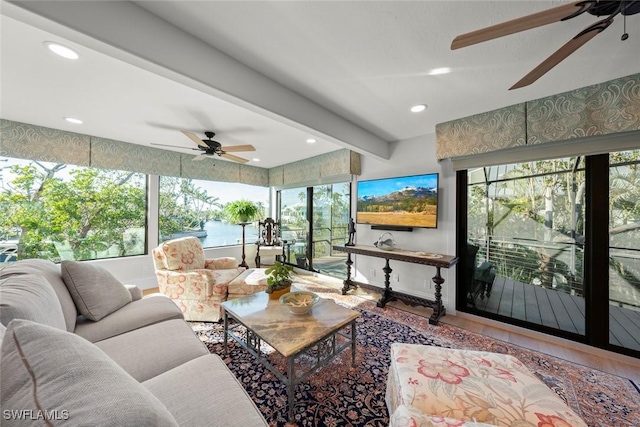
x,y
51,272
76,382
94,289
137,314
205,389
152,350
30,297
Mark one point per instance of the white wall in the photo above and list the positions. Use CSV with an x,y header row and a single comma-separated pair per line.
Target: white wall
x,y
412,157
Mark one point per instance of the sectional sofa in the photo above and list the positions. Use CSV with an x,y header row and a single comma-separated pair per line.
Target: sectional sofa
x,y
79,346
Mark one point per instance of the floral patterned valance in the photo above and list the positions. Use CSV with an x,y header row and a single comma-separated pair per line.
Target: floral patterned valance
x,y
606,108
26,141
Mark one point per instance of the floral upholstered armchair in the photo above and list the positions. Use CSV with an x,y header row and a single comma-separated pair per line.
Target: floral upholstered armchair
x,y
197,285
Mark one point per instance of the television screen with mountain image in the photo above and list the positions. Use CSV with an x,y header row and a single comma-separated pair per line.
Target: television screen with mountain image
x,y
408,201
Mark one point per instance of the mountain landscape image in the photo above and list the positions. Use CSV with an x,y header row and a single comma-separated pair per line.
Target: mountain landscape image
x,y
406,201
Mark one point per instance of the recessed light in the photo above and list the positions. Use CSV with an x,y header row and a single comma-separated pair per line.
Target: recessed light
x,y
436,71
73,120
256,160
418,108
62,50
311,140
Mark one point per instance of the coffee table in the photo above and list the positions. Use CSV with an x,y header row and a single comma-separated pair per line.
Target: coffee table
x,y
322,334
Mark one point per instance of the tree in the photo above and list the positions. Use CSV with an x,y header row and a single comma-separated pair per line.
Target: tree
x,y
90,210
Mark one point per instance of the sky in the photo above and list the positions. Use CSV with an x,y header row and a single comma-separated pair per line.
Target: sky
x,y
379,187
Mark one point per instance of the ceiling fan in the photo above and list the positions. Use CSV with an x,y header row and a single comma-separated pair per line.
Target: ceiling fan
x,y
561,13
211,148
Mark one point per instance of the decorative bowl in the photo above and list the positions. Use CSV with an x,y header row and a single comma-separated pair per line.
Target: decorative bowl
x,y
386,242
299,302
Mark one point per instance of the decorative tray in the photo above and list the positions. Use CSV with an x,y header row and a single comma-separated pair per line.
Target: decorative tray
x,y
428,255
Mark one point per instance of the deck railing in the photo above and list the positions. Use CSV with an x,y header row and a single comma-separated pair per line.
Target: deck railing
x,y
558,266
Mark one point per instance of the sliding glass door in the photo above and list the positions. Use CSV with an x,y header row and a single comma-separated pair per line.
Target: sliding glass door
x,y
554,246
330,227
294,224
313,220
624,249
526,227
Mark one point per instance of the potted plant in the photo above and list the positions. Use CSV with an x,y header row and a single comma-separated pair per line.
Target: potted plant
x,y
242,211
278,280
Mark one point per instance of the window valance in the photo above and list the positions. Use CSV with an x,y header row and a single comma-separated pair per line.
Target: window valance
x,y
26,141
547,127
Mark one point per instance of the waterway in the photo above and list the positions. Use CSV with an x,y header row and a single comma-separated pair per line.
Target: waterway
x,y
220,233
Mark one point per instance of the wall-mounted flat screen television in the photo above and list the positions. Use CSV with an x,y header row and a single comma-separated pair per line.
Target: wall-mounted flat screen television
x,y
407,201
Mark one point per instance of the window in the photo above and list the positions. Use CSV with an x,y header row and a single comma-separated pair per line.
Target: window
x,y
554,246
56,211
190,207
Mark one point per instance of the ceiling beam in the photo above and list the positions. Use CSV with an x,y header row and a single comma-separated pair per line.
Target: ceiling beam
x,y
127,32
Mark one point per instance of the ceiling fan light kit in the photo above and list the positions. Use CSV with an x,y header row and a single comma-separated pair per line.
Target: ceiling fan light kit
x,y
211,148
561,13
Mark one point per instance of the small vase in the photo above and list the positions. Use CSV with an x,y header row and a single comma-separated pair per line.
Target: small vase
x,y
278,293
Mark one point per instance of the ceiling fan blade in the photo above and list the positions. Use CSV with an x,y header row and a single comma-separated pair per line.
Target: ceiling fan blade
x,y
517,25
174,146
199,157
237,148
560,54
192,136
234,158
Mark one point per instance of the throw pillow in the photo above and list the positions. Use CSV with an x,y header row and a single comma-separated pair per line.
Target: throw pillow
x,y
94,289
49,374
30,297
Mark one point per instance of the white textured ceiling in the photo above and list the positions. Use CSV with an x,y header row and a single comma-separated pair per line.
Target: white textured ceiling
x,y
348,62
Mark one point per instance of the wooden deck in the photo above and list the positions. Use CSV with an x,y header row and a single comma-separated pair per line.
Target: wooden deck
x,y
557,310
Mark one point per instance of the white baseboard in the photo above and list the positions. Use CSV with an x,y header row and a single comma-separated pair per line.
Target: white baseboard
x,y
573,345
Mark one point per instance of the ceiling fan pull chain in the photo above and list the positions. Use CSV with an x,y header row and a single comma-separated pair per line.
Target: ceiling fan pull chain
x,y
624,22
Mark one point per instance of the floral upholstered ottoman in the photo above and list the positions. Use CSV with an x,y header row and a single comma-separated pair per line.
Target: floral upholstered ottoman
x,y
471,387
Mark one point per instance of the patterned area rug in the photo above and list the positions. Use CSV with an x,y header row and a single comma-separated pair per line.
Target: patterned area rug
x,y
341,395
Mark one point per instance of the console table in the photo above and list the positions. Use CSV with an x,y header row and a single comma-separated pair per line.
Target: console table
x,y
436,260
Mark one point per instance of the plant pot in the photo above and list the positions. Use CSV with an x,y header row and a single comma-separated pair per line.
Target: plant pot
x,y
278,293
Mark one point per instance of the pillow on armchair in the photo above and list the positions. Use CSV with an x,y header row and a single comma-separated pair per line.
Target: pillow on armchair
x,y
182,254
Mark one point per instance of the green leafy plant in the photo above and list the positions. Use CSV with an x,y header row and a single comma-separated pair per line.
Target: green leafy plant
x,y
279,277
242,211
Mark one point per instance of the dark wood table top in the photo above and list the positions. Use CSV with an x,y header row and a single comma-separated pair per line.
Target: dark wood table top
x,y
416,257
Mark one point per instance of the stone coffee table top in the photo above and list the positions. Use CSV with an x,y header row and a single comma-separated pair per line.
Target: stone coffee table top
x,y
288,333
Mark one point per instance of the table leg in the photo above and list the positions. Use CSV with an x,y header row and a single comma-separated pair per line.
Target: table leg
x,y
438,309
353,343
347,282
291,385
226,331
386,295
